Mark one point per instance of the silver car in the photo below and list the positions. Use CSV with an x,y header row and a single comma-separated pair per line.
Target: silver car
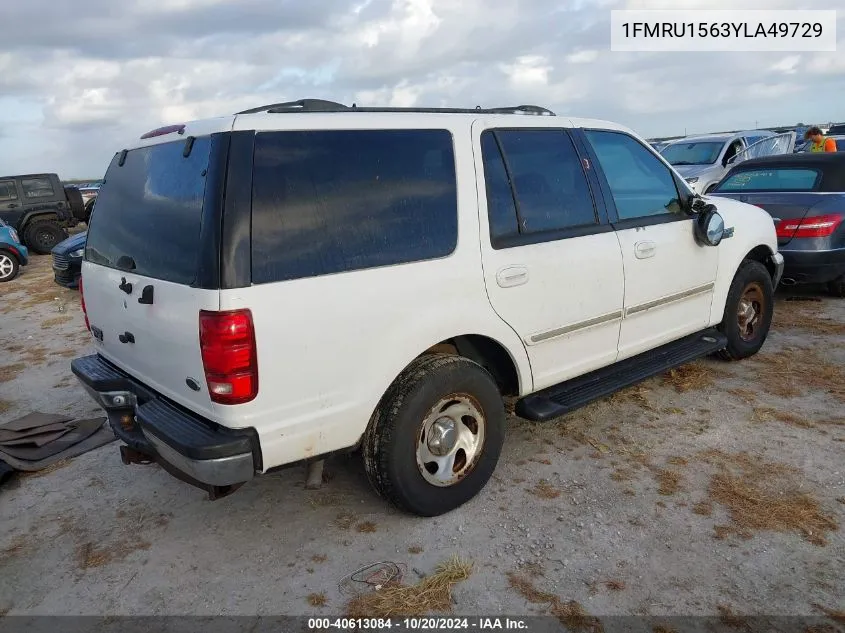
x,y
703,160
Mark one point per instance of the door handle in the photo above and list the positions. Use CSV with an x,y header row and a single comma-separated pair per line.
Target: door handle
x,y
512,276
644,250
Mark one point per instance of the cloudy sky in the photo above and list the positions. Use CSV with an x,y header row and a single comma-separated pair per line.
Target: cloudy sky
x,y
81,78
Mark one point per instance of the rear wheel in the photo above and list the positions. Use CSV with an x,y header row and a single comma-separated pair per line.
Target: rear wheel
x,y
748,311
42,235
8,266
837,287
435,438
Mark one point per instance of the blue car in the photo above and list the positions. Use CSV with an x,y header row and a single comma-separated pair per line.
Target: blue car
x,y
13,254
67,260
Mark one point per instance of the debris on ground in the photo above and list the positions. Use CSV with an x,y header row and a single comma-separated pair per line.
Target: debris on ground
x,y
38,440
432,594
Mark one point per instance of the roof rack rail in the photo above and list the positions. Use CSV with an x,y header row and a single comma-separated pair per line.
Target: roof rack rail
x,y
301,105
320,105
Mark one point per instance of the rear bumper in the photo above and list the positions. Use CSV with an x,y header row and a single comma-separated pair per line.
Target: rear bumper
x,y
66,272
188,446
804,267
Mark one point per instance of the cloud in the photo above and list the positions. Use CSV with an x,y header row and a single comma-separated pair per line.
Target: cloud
x,y
82,84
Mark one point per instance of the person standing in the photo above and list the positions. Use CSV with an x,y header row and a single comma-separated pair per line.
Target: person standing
x,y
818,143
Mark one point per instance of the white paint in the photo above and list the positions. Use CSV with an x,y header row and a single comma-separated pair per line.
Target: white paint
x,y
329,346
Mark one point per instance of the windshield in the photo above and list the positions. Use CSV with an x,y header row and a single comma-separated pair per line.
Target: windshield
x,y
695,153
149,212
778,179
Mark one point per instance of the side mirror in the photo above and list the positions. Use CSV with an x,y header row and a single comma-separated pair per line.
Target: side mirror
x,y
709,226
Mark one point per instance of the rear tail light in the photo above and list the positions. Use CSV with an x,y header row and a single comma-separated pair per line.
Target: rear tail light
x,y
82,301
816,226
227,342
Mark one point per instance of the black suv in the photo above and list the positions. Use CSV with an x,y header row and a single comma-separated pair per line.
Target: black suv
x,y
40,209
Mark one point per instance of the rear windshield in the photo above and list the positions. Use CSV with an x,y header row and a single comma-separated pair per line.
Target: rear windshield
x,y
149,212
783,179
695,153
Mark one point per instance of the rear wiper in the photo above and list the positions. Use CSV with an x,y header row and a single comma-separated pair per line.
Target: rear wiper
x,y
125,262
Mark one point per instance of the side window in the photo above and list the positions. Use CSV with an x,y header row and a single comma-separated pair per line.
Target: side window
x,y
541,171
640,184
7,191
331,201
37,188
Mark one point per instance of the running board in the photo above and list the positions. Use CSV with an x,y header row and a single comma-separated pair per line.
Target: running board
x,y
558,400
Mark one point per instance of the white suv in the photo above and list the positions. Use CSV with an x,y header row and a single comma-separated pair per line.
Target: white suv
x,y
306,278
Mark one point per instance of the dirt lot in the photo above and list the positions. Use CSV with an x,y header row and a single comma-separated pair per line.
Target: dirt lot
x,y
716,489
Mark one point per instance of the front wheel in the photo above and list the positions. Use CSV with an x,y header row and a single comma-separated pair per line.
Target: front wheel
x,y
435,438
8,266
748,311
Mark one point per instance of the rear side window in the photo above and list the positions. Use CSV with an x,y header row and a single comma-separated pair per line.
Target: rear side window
x,y
37,188
334,201
149,212
535,184
785,179
7,191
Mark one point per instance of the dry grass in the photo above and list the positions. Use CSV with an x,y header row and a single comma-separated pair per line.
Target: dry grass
x,y
345,520
614,585
5,405
432,594
704,508
319,558
366,527
837,615
636,395
760,495
56,320
415,549
768,414
692,377
677,461
805,316
317,599
91,555
669,480
744,394
729,618
545,490
796,371
571,614
663,628
10,372
18,545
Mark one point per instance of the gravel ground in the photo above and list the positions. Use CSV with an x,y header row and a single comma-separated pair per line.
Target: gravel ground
x,y
718,486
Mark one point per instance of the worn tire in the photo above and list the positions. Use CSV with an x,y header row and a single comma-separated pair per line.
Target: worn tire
x,y
750,273
9,266
837,287
389,445
42,235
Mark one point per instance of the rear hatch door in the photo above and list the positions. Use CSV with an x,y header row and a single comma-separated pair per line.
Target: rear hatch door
x,y
143,253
